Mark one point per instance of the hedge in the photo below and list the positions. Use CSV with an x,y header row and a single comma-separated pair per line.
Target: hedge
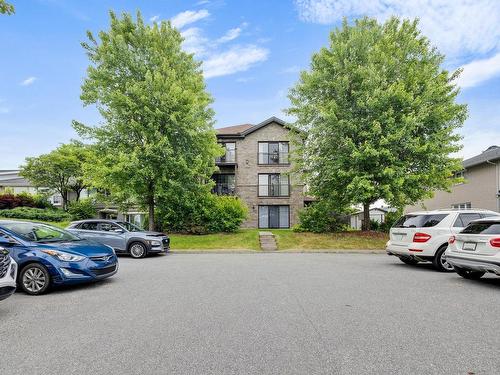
x,y
28,213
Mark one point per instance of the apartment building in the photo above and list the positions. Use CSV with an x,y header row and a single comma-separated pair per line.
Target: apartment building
x,y
256,168
480,189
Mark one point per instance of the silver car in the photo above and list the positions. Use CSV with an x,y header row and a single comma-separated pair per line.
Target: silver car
x,y
123,237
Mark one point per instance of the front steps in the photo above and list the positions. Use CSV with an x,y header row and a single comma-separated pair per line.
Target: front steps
x,y
267,241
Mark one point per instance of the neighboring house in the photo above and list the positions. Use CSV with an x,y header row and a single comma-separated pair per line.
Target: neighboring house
x,y
481,188
10,180
256,168
376,214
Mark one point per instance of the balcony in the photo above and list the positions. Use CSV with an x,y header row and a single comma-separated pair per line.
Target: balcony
x,y
228,158
274,158
224,189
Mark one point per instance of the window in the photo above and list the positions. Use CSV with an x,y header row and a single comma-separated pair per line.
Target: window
x,y
274,217
92,225
419,221
230,156
464,219
273,153
483,228
108,227
274,185
459,174
462,206
224,184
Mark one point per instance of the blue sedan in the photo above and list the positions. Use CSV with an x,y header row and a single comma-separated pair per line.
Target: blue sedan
x,y
48,256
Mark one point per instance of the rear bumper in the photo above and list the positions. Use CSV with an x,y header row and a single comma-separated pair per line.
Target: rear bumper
x,y
412,249
475,264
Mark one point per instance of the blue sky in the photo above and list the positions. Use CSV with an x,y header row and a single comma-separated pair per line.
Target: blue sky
x,y
252,52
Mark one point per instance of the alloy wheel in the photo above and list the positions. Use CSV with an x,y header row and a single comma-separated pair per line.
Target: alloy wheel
x,y
137,250
34,280
447,266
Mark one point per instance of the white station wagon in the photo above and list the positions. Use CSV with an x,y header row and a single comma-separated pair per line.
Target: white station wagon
x,y
423,236
476,250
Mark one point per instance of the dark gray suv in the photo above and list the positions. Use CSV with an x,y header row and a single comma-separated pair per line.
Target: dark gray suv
x,y
123,237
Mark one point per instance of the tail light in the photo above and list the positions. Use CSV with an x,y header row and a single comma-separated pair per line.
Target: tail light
x,y
451,240
495,242
421,237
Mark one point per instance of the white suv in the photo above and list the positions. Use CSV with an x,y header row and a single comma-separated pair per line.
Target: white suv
x,y
8,273
423,236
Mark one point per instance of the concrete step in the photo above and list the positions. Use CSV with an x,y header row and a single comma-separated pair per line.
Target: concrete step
x,y
267,241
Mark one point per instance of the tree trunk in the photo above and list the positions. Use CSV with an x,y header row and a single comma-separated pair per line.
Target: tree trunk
x,y
78,192
64,196
151,217
366,217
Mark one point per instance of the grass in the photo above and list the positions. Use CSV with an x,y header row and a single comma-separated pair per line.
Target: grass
x,y
289,240
244,239
248,239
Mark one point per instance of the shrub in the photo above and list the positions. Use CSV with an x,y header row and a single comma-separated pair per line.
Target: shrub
x,y
83,209
390,218
8,201
28,213
319,217
374,225
202,213
42,201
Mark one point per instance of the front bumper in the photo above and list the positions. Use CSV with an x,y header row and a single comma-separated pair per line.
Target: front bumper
x,y
164,246
475,263
67,273
8,282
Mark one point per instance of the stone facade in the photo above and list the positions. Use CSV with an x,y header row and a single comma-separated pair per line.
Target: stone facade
x,y
247,170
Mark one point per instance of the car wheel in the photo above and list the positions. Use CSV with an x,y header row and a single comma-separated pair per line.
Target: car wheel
x,y
34,279
137,250
408,260
469,274
440,262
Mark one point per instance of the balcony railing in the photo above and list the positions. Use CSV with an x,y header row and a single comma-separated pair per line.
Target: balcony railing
x,y
228,158
223,189
273,158
274,190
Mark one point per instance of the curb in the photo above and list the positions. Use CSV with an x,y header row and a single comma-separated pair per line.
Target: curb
x,y
291,251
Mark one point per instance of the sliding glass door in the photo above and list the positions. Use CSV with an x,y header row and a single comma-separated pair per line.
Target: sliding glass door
x,y
274,217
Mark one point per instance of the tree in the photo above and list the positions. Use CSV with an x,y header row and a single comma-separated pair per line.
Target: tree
x,y
6,8
380,116
157,138
60,170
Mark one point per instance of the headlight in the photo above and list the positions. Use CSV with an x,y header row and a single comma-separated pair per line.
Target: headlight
x,y
65,257
155,243
113,250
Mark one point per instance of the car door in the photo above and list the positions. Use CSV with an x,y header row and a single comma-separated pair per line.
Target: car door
x,y
86,230
112,235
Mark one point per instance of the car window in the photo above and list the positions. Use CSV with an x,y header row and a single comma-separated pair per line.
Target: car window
x,y
482,228
108,227
419,221
40,232
464,219
88,226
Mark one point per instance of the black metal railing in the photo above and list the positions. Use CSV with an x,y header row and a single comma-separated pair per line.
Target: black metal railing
x,y
229,157
273,158
223,189
274,190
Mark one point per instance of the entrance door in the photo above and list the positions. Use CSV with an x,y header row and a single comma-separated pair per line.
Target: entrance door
x,y
274,216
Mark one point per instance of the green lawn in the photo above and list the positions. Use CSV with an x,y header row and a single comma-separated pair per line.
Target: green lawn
x,y
289,240
248,239
244,239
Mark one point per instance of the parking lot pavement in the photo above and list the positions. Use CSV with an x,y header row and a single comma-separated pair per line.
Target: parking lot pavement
x,y
258,314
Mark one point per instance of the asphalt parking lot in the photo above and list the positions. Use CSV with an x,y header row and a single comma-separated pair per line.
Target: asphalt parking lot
x,y
258,314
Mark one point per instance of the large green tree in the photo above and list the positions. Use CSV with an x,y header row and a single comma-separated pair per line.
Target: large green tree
x,y
157,138
6,8
60,170
380,115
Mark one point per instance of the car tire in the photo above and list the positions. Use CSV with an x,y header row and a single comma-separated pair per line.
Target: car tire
x,y
137,250
408,260
469,274
439,263
34,279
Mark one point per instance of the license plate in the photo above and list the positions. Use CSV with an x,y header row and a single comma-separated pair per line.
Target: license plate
x,y
471,246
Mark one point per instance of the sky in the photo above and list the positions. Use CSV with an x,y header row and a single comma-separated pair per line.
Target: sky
x,y
251,51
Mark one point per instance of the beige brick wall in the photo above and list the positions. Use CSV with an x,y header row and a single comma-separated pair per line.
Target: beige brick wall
x,y
248,169
480,189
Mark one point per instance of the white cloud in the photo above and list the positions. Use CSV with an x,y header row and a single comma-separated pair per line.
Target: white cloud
x,y
232,34
477,141
189,16
28,81
237,59
202,2
457,27
154,18
479,71
194,41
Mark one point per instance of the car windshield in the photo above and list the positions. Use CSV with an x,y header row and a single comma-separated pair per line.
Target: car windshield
x,y
40,232
130,227
483,228
419,221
